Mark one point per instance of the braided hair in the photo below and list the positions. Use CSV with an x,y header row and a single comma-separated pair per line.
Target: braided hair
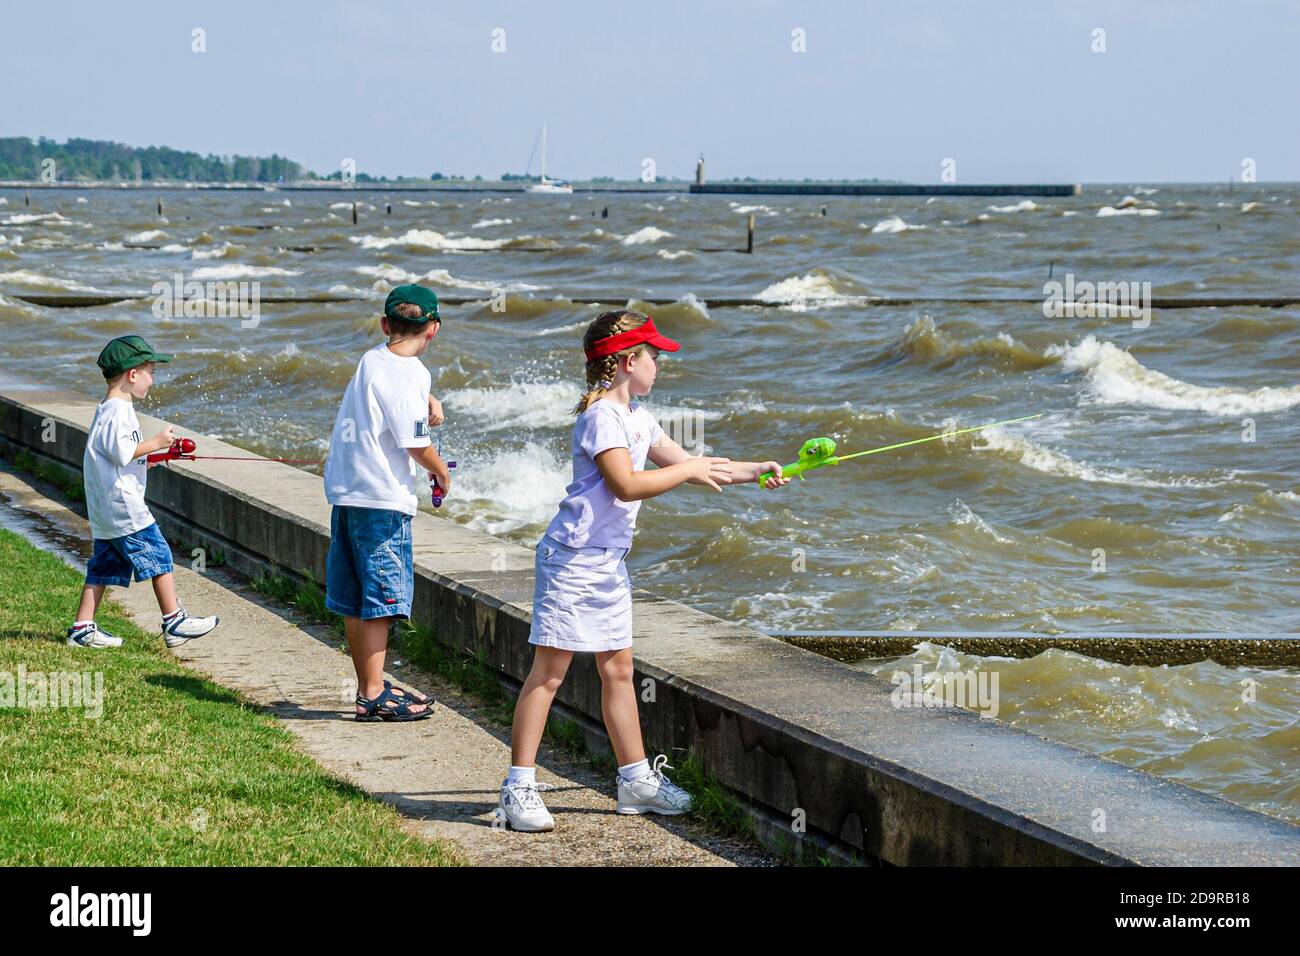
x,y
600,372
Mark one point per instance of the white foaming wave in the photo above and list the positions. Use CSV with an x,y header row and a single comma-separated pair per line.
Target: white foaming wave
x,y
670,254
348,205
803,292
216,252
22,219
746,210
1115,377
429,239
1027,205
237,270
1106,211
387,275
1248,206
14,242
484,223
24,277
174,247
574,327
149,235
518,405
694,303
343,289
512,489
5,202
1055,463
1262,504
892,224
648,234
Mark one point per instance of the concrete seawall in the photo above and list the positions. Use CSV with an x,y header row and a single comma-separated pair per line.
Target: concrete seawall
x,y
819,750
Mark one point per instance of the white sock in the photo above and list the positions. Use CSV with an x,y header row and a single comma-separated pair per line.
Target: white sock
x,y
634,771
172,615
77,624
521,775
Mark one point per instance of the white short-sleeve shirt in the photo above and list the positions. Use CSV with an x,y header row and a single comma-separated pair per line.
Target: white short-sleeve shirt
x,y
385,411
590,515
114,481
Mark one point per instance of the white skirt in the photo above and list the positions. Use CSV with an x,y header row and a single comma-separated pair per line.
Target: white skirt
x,y
582,598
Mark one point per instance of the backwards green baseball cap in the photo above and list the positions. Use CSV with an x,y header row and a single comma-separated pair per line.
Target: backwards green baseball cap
x,y
125,353
418,295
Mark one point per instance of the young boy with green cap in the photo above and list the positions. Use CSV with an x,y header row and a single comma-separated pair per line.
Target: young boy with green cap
x,y
380,436
114,470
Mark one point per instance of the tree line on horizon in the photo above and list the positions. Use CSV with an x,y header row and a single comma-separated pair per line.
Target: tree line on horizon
x,y
90,159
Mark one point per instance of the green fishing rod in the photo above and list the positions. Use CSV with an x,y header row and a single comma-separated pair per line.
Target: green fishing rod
x,y
818,452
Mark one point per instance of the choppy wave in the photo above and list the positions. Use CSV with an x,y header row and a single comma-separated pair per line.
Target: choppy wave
x,y
1027,205
238,270
149,235
508,489
431,239
647,234
387,275
922,340
518,405
216,252
814,290
1057,463
486,223
25,218
1115,377
670,254
890,225
35,280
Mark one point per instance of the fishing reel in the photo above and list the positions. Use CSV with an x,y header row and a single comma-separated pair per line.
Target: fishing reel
x,y
816,450
435,489
180,449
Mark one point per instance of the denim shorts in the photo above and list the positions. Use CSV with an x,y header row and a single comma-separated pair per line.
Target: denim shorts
x,y
582,598
145,552
370,568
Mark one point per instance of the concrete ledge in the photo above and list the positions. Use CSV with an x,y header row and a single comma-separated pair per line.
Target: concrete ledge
x,y
803,737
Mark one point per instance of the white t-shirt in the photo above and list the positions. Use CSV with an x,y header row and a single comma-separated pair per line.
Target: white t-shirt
x,y
385,411
590,515
114,481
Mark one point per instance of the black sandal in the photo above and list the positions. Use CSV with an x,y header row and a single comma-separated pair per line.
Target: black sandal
x,y
377,709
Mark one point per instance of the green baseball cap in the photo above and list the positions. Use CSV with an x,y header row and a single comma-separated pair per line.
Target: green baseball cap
x,y
125,353
425,298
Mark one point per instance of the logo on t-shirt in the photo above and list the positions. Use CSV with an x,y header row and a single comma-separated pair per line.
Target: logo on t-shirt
x,y
421,428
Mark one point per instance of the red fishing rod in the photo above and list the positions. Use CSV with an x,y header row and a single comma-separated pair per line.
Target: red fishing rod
x,y
182,449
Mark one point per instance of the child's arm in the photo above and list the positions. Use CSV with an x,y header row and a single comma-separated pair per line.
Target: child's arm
x,y
667,452
160,441
615,466
429,459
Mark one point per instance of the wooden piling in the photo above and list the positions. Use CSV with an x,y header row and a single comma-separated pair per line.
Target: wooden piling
x,y
354,214
749,239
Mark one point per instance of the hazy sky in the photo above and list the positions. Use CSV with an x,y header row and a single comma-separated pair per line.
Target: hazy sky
x,y
1010,90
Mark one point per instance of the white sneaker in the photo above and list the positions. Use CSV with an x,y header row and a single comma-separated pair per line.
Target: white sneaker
x,y
181,628
653,793
524,810
89,635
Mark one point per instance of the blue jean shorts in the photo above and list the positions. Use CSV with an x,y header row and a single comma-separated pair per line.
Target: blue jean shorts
x,y
370,568
145,553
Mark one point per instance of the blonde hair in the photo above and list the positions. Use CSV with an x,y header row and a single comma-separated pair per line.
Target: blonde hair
x,y
602,370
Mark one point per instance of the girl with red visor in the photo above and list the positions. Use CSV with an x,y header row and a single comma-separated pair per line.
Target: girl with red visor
x,y
582,601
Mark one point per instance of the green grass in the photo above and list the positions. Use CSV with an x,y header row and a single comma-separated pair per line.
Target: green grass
x,y
177,771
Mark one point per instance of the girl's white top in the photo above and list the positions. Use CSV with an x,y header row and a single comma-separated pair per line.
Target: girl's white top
x,y
590,515
114,480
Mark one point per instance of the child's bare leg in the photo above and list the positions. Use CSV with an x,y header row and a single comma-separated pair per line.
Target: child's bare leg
x,y
368,642
91,595
164,589
618,704
550,664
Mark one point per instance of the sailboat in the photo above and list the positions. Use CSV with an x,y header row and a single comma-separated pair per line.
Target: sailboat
x,y
545,185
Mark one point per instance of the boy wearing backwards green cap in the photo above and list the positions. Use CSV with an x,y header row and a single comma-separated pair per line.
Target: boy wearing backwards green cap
x,y
380,435
114,469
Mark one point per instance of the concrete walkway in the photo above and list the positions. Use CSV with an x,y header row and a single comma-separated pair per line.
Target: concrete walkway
x,y
442,774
